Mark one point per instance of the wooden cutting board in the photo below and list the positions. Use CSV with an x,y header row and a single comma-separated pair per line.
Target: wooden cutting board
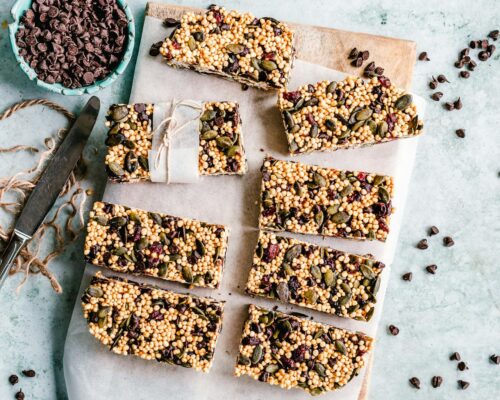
x,y
330,47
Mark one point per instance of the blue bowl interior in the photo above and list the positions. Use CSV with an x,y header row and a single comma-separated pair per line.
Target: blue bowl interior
x,y
18,11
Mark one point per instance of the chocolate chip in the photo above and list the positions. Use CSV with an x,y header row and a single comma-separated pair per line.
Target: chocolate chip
x,y
436,381
471,65
13,379
415,382
29,373
433,230
462,366
460,133
171,22
431,269
423,56
473,44
495,359
442,79
433,84
244,87
494,34
357,62
459,64
448,241
463,384
449,106
464,74
407,277
365,55
379,71
354,53
437,96
155,49
491,48
483,55
422,245
393,330
455,356
19,395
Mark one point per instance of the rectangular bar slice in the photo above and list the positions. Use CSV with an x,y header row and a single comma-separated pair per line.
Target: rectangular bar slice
x,y
315,277
130,139
151,323
289,351
333,115
154,244
254,51
309,199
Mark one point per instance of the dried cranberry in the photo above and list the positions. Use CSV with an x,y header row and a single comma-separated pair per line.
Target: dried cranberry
x,y
298,355
384,81
251,340
362,176
310,119
156,247
391,121
292,96
271,252
293,285
288,363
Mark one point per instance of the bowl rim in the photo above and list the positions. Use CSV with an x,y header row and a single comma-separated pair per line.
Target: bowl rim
x,y
17,11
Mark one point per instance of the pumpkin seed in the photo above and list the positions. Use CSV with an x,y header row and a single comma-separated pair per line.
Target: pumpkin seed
x,y
367,271
283,292
114,140
114,130
103,312
319,217
211,134
191,43
310,296
339,346
116,169
364,114
208,115
372,125
320,369
162,270
345,299
257,354
156,218
383,194
344,134
316,272
95,291
340,218
288,269
101,220
199,36
268,65
272,368
243,360
319,333
131,163
118,222
119,251
163,238
119,113
224,142
101,322
233,150
376,286
144,163
255,64
357,125
314,131
369,314
378,180
187,273
293,252
330,278
403,102
235,48
347,190
319,180
142,244
331,87
345,288
288,119
200,247
371,235
330,125
382,129
316,391
129,144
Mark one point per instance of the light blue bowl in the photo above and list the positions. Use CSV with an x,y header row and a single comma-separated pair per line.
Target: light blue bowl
x,y
17,12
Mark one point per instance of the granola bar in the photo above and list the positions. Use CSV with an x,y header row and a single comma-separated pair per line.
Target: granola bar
x,y
153,244
288,351
130,139
309,199
351,113
315,277
255,51
154,324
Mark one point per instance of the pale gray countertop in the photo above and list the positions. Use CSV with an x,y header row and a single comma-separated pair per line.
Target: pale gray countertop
x,y
455,186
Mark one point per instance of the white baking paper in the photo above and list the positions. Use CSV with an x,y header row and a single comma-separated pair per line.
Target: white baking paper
x,y
91,372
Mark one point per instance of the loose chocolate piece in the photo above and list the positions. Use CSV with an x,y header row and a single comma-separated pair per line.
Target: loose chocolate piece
x,y
353,54
431,269
13,379
244,87
448,241
19,395
442,79
491,49
436,381
407,277
459,64
29,373
433,84
450,106
463,384
460,133
415,382
171,22
473,44
73,43
495,359
471,65
458,104
483,55
315,352
365,55
433,230
455,357
437,96
155,49
423,56
462,366
151,323
423,245
464,74
393,330
494,34
358,62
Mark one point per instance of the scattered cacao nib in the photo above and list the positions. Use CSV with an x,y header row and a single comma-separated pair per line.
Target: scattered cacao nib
x,y
436,381
423,245
463,384
431,269
460,133
495,359
415,382
455,357
393,330
433,230
29,373
407,277
464,74
462,366
13,379
437,96
448,241
423,56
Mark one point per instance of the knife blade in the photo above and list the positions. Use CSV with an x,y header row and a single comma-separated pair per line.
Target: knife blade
x,y
50,183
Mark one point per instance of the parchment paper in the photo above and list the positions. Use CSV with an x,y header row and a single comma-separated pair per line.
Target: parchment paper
x,y
92,372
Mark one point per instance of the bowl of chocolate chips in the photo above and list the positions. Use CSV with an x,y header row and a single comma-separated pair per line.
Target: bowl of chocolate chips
x,y
72,47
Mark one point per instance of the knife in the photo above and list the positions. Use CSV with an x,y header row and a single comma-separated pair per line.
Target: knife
x,y
50,184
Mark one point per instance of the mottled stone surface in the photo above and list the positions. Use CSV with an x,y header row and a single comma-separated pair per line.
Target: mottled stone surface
x,y
455,186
